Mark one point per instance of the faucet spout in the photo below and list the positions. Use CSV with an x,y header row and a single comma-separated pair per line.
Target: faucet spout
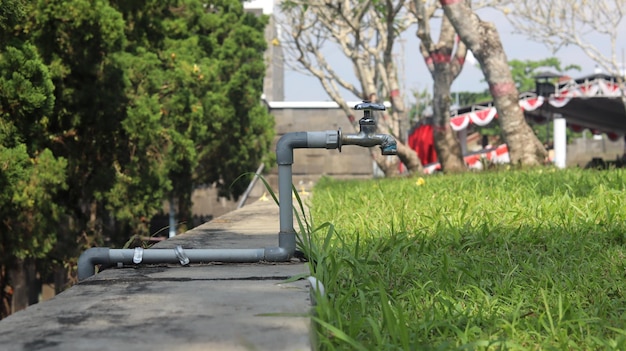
x,y
388,145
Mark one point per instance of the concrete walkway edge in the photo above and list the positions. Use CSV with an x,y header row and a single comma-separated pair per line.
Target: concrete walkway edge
x,y
166,307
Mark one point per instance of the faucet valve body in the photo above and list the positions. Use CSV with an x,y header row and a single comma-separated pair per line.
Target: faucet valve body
x,y
367,124
367,136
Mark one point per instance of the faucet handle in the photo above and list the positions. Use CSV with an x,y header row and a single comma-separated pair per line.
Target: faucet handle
x,y
368,105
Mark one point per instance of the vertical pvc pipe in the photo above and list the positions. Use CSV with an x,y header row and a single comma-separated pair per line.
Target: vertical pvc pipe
x,y
287,234
284,158
172,217
560,141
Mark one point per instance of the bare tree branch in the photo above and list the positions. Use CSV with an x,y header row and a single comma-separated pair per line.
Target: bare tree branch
x,y
364,32
559,23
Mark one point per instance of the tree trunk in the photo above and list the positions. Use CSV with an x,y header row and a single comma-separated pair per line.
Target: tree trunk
x,y
23,277
410,159
388,164
449,152
60,279
407,155
444,65
5,293
483,40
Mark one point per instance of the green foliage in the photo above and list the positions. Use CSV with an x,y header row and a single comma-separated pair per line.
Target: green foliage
x,y
26,93
524,72
508,260
109,107
80,41
201,81
11,12
152,99
26,202
30,175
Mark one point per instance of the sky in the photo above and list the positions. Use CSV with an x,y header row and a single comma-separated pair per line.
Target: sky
x,y
300,87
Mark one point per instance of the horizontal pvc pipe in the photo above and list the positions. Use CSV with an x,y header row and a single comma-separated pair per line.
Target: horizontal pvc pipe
x,y
109,257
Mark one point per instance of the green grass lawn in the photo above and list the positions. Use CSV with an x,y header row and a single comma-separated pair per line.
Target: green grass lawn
x,y
509,260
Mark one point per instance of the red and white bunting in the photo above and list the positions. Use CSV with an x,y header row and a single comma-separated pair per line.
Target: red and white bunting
x,y
482,116
531,104
558,102
479,117
498,155
460,122
589,90
609,88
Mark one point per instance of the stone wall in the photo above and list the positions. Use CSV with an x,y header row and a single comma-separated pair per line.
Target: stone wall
x,y
580,151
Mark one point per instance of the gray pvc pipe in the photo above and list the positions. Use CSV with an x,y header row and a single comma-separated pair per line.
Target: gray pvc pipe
x,y
286,236
284,156
110,257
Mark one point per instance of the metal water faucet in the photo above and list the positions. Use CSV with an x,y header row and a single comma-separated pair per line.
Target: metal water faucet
x,y
367,136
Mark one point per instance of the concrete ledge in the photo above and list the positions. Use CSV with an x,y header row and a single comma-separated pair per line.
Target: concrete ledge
x,y
166,307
